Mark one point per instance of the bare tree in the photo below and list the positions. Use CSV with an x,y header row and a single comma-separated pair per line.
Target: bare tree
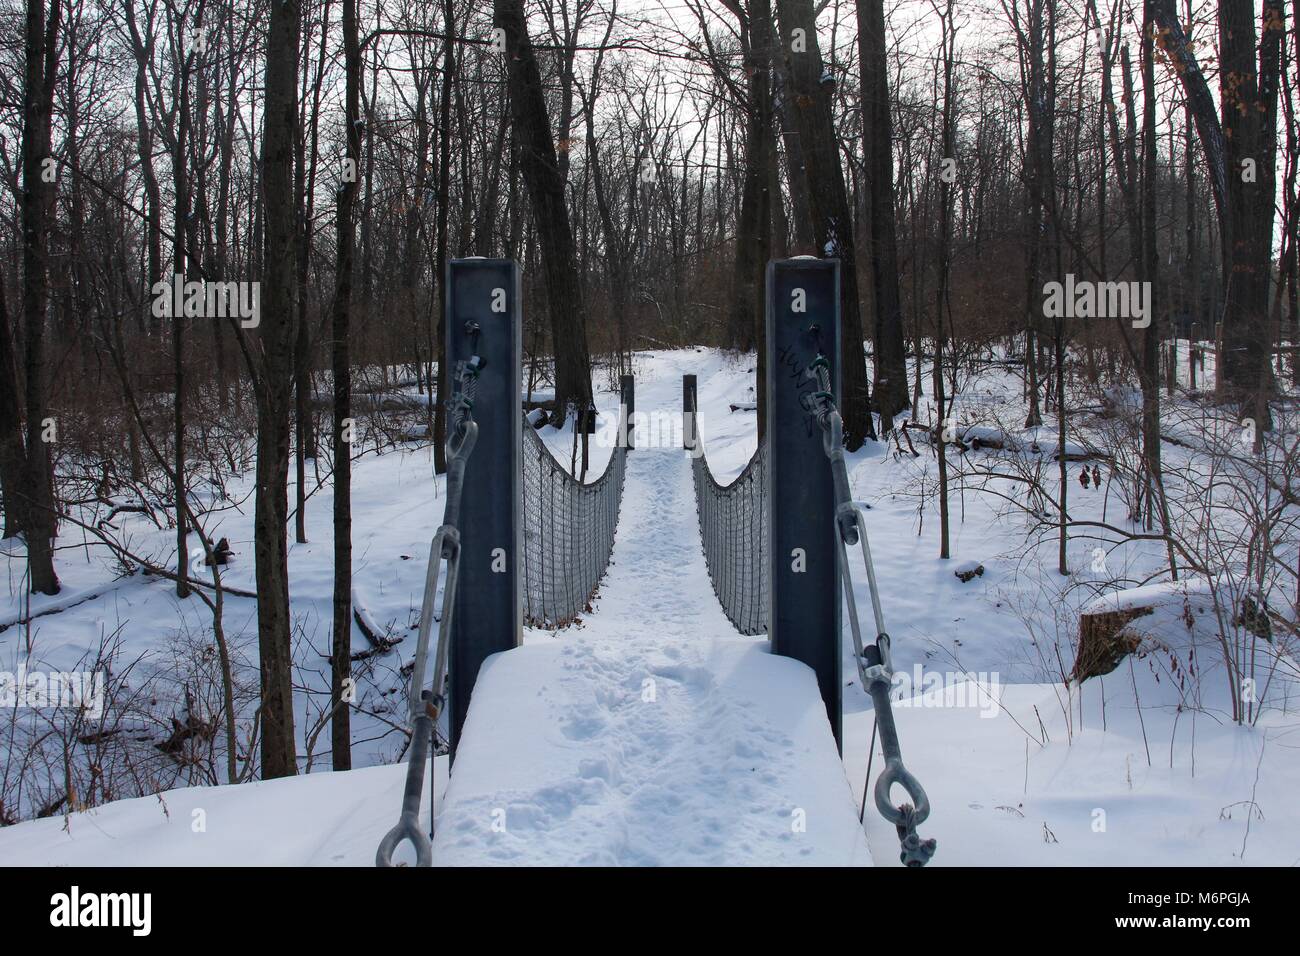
x,y
811,85
272,370
1240,151
890,367
13,457
41,53
943,264
341,646
746,326
542,173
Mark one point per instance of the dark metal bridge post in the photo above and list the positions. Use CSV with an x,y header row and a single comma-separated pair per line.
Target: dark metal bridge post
x,y
627,389
803,320
483,318
688,411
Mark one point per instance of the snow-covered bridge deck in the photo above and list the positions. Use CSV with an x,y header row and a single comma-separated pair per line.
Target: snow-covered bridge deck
x,y
652,733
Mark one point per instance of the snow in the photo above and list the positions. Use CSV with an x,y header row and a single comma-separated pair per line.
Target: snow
x,y
653,734
1147,595
988,435
1004,796
1132,768
324,819
566,759
1045,442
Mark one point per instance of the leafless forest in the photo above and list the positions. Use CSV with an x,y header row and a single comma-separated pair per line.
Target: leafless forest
x,y
227,225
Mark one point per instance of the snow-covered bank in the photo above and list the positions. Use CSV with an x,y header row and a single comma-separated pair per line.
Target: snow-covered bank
x,y
322,819
1009,791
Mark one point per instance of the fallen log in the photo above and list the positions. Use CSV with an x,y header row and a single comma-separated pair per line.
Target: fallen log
x,y
380,639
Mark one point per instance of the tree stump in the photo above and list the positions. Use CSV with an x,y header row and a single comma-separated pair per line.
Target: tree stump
x,y
1105,640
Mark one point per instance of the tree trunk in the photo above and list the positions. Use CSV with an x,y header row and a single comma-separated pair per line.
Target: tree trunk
x,y
941,298
809,110
183,266
1037,155
754,227
37,201
1243,199
341,671
564,294
800,208
1150,368
145,149
440,251
274,388
307,155
13,458
890,370
746,320
440,256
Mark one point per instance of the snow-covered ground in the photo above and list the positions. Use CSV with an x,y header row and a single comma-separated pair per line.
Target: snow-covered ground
x,y
563,748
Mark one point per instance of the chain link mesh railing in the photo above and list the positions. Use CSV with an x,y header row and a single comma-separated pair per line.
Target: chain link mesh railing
x,y
733,529
568,533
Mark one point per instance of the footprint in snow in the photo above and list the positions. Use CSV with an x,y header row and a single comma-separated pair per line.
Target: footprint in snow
x,y
583,728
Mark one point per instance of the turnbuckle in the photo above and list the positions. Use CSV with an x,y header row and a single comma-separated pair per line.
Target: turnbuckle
x,y
876,669
408,825
445,548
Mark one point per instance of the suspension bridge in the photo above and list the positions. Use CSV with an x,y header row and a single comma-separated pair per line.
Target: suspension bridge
x,y
691,712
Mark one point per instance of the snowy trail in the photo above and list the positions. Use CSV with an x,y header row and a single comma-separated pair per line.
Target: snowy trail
x,y
652,734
